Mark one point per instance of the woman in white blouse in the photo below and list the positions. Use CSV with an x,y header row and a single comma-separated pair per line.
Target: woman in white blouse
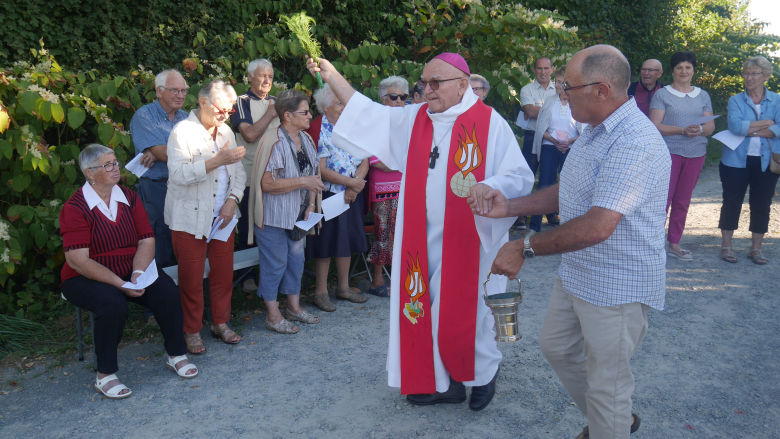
x,y
205,184
556,131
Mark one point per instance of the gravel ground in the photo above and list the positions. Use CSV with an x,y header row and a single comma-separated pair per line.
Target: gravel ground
x,y
708,368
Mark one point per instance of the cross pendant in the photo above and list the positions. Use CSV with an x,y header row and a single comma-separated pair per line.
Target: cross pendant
x,y
434,155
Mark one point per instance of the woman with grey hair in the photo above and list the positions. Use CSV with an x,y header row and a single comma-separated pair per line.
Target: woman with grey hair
x,y
383,195
754,114
205,185
108,244
343,235
288,190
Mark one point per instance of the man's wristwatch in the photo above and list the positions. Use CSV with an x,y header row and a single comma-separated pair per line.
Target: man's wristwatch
x,y
528,252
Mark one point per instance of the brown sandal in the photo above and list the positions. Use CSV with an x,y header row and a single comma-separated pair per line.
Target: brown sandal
x,y
351,296
323,302
194,343
224,333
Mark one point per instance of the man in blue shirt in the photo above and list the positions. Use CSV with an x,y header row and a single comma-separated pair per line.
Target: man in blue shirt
x,y
612,201
150,127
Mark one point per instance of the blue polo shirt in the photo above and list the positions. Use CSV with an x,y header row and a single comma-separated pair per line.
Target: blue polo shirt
x,y
151,126
243,110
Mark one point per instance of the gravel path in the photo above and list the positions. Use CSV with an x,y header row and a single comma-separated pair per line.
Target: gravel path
x,y
708,368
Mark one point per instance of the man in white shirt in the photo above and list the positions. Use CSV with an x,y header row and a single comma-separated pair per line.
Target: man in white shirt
x,y
532,97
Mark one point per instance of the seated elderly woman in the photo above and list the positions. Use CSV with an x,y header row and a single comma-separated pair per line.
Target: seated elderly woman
x,y
108,241
755,114
205,184
289,185
385,185
343,235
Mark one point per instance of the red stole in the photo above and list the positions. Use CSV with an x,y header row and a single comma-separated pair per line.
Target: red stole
x,y
460,253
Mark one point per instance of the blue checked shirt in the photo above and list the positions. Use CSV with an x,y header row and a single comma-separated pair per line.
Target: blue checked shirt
x,y
622,165
150,126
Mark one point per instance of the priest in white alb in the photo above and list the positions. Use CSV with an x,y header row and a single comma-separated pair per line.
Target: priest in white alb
x,y
442,334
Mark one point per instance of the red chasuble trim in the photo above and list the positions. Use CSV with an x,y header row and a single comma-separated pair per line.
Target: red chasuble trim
x,y
460,254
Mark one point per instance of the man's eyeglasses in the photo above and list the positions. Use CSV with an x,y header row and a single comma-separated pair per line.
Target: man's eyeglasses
x,y
224,113
395,97
109,166
649,70
302,112
567,88
177,91
434,83
752,74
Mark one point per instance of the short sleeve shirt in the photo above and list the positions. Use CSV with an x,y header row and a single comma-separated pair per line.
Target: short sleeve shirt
x,y
151,126
336,159
679,109
622,165
535,94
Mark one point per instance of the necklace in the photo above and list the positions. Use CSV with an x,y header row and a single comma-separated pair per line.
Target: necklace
x,y
435,152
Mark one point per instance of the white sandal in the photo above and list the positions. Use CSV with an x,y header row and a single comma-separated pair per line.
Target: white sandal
x,y
113,392
182,371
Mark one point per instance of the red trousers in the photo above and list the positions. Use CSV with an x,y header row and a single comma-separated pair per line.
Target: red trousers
x,y
191,255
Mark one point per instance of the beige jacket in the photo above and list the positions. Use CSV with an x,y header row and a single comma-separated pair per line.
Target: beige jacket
x,y
189,203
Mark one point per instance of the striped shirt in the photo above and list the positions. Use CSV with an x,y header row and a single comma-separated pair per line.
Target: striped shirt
x,y
621,165
110,243
281,210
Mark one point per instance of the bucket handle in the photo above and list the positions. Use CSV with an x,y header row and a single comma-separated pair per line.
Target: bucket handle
x,y
484,285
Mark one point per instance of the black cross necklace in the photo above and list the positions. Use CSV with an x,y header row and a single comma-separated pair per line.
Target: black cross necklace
x,y
435,152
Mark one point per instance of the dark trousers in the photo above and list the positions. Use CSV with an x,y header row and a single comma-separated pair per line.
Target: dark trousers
x,y
528,146
550,166
152,194
243,230
110,307
735,182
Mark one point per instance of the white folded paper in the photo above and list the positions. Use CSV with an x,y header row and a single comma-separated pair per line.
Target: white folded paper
x,y
729,139
307,224
334,205
144,280
224,233
136,167
521,121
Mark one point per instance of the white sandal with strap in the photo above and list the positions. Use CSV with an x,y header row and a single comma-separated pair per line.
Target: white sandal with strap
x,y
113,392
182,371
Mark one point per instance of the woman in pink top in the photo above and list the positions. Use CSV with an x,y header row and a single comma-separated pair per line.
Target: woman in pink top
x,y
383,193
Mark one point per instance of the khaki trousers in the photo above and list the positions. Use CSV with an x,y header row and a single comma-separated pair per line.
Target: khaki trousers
x,y
590,348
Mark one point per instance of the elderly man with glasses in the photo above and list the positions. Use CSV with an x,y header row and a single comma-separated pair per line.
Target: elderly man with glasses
x,y
441,333
150,127
612,198
644,89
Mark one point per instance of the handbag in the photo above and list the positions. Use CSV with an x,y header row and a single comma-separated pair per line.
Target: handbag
x,y
297,233
774,163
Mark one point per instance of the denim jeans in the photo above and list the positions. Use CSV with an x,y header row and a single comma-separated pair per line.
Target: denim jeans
x,y
281,263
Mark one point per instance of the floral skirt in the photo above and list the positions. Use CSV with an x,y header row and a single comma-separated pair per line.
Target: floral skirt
x,y
381,252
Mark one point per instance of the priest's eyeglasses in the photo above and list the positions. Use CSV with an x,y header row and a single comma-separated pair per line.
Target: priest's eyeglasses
x,y
434,83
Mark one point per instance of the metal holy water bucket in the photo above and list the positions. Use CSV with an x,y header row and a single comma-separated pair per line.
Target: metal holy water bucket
x,y
504,309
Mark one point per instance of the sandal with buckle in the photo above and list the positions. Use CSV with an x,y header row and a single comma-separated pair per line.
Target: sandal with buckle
x,y
113,392
634,427
194,343
728,255
182,370
757,257
224,333
682,254
302,316
351,296
323,302
282,327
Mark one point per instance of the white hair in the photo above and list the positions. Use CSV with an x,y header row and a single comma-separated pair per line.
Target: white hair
x,y
89,157
217,88
324,97
393,82
481,79
162,77
260,63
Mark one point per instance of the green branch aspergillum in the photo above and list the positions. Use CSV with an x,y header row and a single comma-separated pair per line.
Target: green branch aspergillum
x,y
300,26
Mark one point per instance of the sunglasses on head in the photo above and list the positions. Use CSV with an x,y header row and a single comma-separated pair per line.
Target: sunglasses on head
x,y
395,97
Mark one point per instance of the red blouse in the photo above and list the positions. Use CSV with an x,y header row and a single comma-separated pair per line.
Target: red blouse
x,y
112,244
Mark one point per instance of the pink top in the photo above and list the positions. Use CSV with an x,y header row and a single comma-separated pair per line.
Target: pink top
x,y
384,185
